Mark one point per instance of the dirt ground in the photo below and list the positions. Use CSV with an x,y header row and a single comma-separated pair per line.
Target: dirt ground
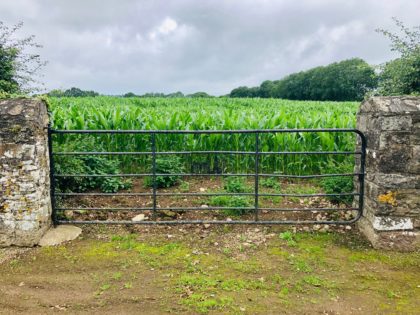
x,y
216,270
184,199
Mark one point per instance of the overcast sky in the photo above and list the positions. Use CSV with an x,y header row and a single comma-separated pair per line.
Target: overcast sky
x,y
116,46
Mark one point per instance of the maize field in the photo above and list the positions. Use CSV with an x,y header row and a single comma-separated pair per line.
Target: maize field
x,y
116,113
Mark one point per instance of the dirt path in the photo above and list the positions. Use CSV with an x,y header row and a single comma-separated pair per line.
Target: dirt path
x,y
219,270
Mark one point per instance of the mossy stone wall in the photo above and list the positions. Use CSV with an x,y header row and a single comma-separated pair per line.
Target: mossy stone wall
x,y
391,217
25,205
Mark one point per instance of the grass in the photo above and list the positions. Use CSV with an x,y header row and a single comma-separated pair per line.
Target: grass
x,y
292,273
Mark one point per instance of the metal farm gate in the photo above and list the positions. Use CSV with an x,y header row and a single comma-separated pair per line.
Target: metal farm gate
x,y
152,153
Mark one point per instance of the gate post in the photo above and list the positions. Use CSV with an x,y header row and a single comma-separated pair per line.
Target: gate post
x,y
25,204
391,215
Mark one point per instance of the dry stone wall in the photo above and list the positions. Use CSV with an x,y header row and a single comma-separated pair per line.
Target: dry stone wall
x,y
25,206
391,217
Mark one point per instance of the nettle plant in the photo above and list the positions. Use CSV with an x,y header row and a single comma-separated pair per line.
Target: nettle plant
x,y
166,165
87,164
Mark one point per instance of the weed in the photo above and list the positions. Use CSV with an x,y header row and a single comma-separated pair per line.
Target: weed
x,y
340,184
117,275
204,304
166,165
238,202
184,186
313,280
235,185
270,182
288,237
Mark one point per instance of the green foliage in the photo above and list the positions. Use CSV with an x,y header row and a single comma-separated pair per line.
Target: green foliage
x,y
288,237
199,95
184,186
166,165
244,91
340,184
72,92
270,182
235,185
348,80
129,94
18,67
86,164
8,83
402,75
232,202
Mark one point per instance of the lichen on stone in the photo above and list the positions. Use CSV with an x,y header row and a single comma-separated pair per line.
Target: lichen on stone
x,y
389,198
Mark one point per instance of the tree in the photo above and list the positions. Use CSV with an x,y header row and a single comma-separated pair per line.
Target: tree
x,y
244,91
129,94
18,67
401,75
72,92
199,95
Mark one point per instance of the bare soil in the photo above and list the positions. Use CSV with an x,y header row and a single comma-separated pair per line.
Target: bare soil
x,y
208,185
215,270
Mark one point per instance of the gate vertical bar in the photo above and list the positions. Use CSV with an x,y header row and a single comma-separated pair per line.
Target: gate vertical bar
x,y
154,173
362,173
257,171
52,179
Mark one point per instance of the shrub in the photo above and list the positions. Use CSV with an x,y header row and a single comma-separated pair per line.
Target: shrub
x,y
166,165
339,185
86,164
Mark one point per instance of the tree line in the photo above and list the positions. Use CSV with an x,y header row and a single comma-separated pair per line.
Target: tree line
x,y
76,92
348,80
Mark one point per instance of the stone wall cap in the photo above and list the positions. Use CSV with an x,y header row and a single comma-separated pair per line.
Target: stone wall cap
x,y
391,104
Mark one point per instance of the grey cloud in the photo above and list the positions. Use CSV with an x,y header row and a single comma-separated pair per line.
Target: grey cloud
x,y
118,46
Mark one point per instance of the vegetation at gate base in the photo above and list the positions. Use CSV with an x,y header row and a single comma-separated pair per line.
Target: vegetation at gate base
x,y
235,185
339,184
270,182
86,164
166,165
232,202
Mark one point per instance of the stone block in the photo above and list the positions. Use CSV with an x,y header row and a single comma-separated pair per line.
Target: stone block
x,y
395,159
389,240
390,139
396,123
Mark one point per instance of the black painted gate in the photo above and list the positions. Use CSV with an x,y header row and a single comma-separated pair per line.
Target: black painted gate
x,y
261,163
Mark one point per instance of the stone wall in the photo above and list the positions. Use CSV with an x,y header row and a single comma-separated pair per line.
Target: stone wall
x,y
25,206
391,216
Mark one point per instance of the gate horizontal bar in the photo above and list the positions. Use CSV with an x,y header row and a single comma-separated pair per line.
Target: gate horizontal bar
x,y
206,131
244,222
205,209
196,174
205,194
210,152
